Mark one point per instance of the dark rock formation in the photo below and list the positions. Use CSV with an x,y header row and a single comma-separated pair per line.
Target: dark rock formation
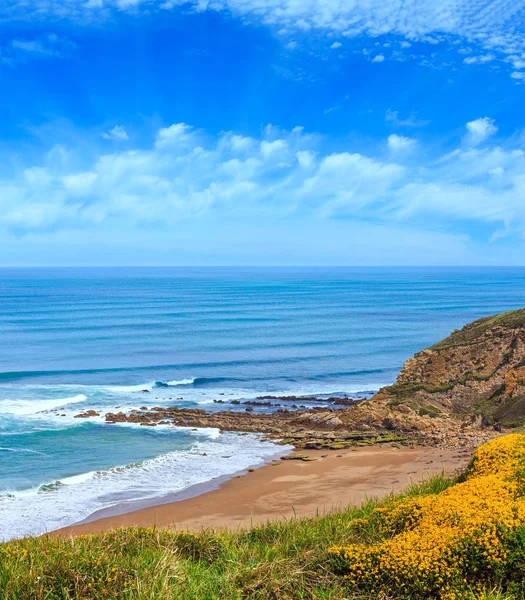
x,y
86,415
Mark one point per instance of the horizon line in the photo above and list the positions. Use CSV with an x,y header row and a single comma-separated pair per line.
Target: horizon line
x,y
291,266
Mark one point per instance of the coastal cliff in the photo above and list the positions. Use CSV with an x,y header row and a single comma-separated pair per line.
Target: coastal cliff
x,y
472,380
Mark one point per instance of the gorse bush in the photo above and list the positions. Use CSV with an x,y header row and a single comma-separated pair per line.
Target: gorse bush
x,y
447,545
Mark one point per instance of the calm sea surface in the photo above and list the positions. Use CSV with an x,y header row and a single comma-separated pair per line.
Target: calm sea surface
x,y
76,339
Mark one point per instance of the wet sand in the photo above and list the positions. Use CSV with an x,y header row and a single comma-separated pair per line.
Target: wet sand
x,y
292,488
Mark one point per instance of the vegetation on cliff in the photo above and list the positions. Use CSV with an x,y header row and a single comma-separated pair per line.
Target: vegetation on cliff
x,y
473,378
474,332
445,538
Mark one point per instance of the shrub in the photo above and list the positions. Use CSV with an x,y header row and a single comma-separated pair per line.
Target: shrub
x,y
447,545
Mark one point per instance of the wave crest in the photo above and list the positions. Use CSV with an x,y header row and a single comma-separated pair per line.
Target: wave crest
x,y
31,407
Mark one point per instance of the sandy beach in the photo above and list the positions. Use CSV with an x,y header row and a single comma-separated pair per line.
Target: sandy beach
x,y
291,488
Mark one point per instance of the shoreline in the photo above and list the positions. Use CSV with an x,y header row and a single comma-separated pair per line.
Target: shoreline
x,y
193,491
288,489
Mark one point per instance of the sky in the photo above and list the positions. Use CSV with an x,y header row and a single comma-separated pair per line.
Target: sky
x,y
262,132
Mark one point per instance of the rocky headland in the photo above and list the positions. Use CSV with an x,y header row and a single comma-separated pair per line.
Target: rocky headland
x,y
472,381
460,392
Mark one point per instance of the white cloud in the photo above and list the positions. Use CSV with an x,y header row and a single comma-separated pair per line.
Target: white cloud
x,y
477,185
118,133
336,45
178,135
126,4
484,58
345,183
79,183
237,143
189,175
306,159
518,62
519,75
29,46
495,26
392,116
430,40
45,46
275,148
378,58
400,143
479,130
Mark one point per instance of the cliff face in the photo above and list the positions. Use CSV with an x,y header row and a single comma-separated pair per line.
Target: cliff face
x,y
478,372
474,380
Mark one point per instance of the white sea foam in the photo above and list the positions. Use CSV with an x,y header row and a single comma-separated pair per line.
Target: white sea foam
x,y
150,386
176,382
34,406
76,479
58,504
127,389
23,450
207,432
315,389
63,503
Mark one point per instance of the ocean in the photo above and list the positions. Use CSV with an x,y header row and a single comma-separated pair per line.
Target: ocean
x,y
74,339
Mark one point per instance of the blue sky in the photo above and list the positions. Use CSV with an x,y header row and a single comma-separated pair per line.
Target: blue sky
x,y
264,132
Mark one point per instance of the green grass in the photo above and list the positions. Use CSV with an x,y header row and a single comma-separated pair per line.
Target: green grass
x,y
475,331
286,560
429,410
280,560
507,411
404,391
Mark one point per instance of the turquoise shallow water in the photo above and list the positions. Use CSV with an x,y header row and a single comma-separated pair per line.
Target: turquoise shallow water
x,y
73,339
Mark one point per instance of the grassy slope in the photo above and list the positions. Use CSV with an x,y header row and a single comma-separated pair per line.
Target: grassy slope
x,y
286,560
474,331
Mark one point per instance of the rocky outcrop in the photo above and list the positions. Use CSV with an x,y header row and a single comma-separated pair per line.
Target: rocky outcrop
x,y
87,415
476,377
315,428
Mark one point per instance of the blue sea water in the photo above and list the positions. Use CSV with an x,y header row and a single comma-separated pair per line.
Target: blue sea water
x,y
95,338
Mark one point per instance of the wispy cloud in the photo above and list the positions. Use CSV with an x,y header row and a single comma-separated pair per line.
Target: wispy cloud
x,y
186,175
117,133
392,117
490,25
47,46
476,60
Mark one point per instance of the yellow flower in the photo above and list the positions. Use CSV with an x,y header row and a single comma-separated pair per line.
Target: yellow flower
x,y
428,540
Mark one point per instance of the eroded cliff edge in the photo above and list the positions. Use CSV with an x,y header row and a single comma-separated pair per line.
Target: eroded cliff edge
x,y
472,380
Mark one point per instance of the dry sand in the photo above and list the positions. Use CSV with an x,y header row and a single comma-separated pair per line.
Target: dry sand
x,y
335,479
